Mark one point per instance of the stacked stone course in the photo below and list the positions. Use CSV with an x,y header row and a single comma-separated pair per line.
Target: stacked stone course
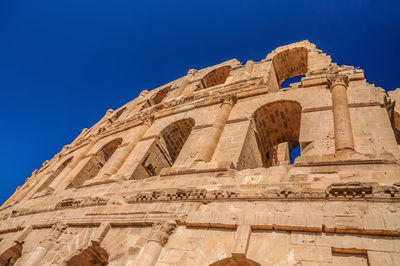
x,y
199,172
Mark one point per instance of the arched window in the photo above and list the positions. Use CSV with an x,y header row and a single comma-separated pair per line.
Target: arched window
x,y
165,149
160,95
93,255
215,77
114,117
278,128
96,162
290,63
53,176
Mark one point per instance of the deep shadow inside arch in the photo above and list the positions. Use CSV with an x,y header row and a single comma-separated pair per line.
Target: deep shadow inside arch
x,y
215,77
165,149
54,174
93,255
95,163
11,255
235,261
278,128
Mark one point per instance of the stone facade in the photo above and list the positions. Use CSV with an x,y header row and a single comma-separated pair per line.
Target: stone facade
x,y
198,172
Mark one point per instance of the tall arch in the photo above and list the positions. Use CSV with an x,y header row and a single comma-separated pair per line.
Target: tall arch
x,y
294,60
11,255
93,255
278,128
115,116
235,261
215,77
52,177
290,63
96,162
165,149
160,95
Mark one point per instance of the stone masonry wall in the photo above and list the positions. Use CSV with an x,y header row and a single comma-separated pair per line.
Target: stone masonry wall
x,y
198,172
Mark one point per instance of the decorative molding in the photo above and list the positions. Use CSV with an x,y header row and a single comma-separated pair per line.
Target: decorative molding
x,y
161,231
75,203
336,80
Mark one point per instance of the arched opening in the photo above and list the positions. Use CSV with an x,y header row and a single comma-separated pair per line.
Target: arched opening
x,y
115,117
293,82
160,95
165,149
93,255
96,162
215,77
235,261
53,176
290,63
11,255
278,128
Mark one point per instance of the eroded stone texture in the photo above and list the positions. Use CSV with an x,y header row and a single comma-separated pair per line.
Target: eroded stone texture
x,y
199,172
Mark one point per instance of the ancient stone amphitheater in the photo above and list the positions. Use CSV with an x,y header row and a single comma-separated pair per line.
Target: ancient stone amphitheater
x,y
199,172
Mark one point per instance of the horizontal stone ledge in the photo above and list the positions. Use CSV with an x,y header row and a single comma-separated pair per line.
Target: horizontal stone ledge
x,y
11,229
321,80
91,183
351,105
199,167
291,222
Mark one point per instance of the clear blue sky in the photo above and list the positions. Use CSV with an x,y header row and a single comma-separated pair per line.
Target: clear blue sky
x,y
64,63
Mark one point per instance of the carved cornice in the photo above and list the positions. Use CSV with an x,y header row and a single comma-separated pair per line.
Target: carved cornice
x,y
85,202
352,191
335,191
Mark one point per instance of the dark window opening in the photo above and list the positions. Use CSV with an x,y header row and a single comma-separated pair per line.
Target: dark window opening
x,y
215,77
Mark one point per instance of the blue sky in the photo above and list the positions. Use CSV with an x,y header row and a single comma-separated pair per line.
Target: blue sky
x,y
64,63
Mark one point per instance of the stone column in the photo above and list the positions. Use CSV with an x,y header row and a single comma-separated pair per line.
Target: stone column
x,y
123,152
34,258
217,128
64,174
159,236
341,115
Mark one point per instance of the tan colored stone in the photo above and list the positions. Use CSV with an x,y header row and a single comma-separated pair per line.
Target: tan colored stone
x,y
198,172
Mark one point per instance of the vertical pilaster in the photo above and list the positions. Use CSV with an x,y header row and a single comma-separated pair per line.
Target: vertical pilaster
x,y
341,115
123,152
217,128
159,236
34,258
241,242
64,174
